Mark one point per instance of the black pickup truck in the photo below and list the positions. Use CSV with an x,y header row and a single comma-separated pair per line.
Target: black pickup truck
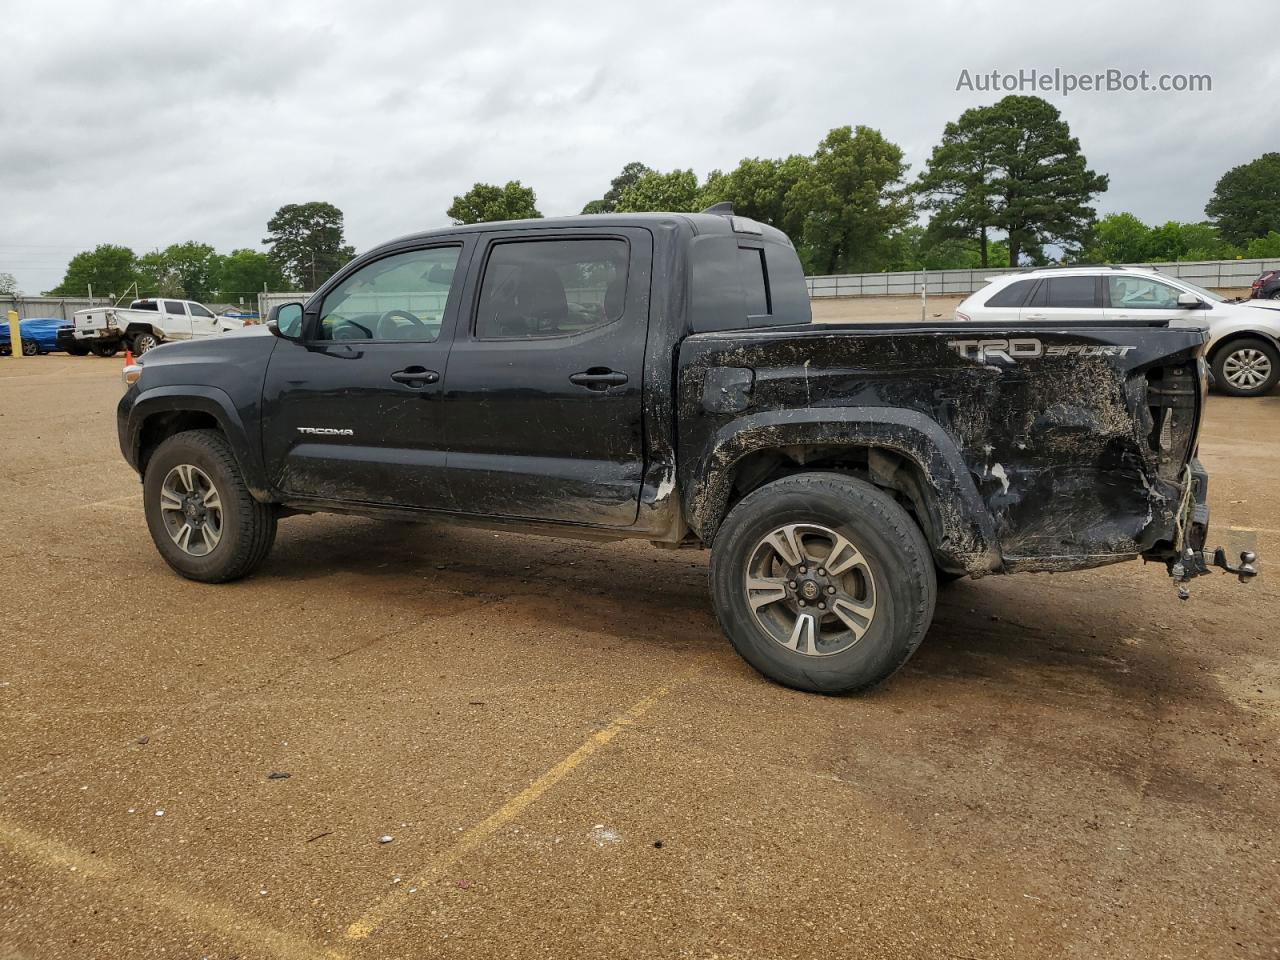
x,y
658,376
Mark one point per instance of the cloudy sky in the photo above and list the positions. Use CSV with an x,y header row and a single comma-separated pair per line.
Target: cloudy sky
x,y
148,123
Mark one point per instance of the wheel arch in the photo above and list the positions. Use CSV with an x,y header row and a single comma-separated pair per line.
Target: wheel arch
x,y
164,411
900,451
1236,336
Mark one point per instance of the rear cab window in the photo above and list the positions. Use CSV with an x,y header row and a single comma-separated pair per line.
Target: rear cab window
x,y
539,288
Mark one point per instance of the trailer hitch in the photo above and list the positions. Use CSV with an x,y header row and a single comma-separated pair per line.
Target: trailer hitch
x,y
1193,564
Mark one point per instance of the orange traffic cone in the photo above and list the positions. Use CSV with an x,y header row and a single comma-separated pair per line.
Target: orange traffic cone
x,y
128,357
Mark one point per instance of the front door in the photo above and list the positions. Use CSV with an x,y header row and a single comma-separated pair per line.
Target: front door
x,y
546,378
176,324
353,411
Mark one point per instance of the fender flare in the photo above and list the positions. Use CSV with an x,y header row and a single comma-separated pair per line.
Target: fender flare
x,y
968,530
179,398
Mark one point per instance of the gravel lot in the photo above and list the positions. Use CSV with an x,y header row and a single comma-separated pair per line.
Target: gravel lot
x,y
573,762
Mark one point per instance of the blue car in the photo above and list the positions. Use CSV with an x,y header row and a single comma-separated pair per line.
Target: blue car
x,y
39,335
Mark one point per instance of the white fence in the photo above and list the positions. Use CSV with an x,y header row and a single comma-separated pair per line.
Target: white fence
x,y
1221,274
61,307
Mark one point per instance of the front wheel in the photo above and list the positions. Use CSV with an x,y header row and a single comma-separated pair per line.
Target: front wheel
x,y
30,348
202,517
103,348
77,350
822,582
1247,367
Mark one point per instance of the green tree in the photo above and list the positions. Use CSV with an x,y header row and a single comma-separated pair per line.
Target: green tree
x,y
1188,241
485,203
1118,238
1014,167
757,187
245,273
8,285
157,276
107,268
849,202
196,266
307,242
1246,200
632,172
674,192
917,248
1264,248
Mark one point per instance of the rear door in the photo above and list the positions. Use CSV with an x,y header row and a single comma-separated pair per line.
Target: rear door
x,y
545,380
176,322
353,411
1076,297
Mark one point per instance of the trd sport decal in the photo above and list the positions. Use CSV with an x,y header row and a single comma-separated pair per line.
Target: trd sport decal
x,y
1029,348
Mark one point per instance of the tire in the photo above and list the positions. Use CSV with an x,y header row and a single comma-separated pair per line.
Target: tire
x,y
100,349
6,350
246,528
78,350
896,575
30,348
142,342
1275,294
1253,362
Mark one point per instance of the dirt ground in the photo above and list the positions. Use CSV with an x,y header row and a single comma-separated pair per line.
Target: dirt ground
x,y
573,762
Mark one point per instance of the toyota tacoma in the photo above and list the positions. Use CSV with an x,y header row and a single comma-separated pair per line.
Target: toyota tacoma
x,y
659,376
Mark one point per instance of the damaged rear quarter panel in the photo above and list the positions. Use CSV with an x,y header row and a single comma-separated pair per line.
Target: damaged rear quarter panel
x,y
1042,458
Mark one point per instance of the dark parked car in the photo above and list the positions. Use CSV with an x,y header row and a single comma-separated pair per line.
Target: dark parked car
x,y
1266,287
658,377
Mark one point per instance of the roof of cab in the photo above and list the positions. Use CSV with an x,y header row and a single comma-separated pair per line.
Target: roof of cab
x,y
698,223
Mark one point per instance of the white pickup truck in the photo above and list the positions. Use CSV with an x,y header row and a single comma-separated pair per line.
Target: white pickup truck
x,y
145,324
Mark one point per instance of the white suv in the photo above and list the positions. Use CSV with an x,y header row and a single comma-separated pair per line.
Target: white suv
x,y
1244,335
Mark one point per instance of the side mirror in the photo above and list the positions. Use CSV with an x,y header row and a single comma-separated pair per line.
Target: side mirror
x,y
1189,300
285,321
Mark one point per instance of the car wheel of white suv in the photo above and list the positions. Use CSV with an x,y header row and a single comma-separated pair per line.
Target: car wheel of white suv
x,y
1248,367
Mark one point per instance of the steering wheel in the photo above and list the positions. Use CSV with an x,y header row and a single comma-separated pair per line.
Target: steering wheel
x,y
386,332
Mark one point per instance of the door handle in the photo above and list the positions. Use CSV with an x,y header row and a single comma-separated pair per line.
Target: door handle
x,y
1036,316
599,378
415,376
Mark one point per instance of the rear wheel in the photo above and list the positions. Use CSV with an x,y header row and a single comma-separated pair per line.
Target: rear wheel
x,y
1275,294
822,582
30,348
202,518
104,349
1247,367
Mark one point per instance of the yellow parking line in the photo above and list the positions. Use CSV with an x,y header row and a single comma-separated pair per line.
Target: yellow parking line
x,y
377,915
220,919
1254,529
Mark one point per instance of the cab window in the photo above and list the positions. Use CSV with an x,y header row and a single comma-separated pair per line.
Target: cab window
x,y
199,311
398,298
1140,293
551,288
175,307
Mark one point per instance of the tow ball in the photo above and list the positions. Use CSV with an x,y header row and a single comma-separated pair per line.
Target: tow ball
x,y
1193,564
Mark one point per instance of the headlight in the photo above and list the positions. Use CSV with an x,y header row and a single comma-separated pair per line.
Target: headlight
x,y
130,374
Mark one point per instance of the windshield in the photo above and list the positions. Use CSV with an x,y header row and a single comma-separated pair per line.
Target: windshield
x,y
1201,291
